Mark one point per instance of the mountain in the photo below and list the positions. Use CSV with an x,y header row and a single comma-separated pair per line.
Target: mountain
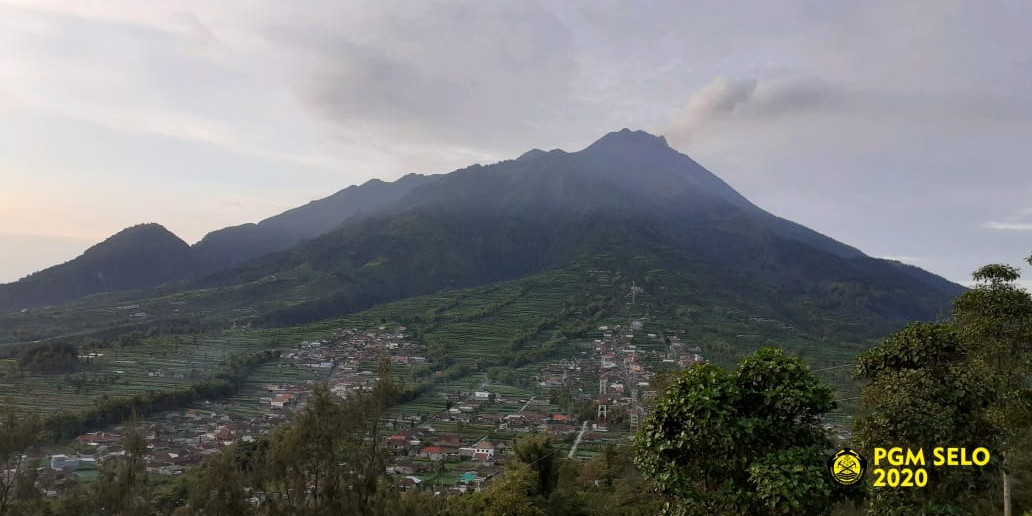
x,y
628,204
218,250
229,246
139,257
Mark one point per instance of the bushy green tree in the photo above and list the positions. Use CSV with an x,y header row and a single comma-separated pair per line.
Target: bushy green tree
x,y
511,494
539,453
922,392
748,441
995,317
19,435
122,487
960,383
218,488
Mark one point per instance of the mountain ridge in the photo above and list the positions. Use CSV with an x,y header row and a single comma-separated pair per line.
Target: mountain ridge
x,y
138,257
630,177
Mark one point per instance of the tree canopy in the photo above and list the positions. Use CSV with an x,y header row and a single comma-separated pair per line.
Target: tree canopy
x,y
748,441
962,383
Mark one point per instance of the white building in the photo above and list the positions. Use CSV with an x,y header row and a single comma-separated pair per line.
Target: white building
x,y
485,447
64,461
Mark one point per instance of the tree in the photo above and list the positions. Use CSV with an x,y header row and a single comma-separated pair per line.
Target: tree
x,y
923,391
747,441
122,487
18,436
329,460
59,357
539,453
995,317
219,487
511,494
962,382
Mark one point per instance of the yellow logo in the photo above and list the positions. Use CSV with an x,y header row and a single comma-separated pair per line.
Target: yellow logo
x,y
847,467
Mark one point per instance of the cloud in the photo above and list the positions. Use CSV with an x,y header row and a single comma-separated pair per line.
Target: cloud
x,y
815,110
1020,221
1009,226
724,99
468,71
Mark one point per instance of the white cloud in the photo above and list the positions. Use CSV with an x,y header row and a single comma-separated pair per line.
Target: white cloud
x,y
1010,226
1019,221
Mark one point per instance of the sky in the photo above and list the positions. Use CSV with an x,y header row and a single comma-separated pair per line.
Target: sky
x,y
901,128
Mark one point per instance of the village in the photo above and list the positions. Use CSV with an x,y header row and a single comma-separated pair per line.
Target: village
x,y
585,402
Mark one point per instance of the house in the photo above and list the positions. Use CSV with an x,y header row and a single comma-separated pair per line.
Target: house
x,y
341,389
482,395
64,461
409,483
434,452
282,400
468,477
492,418
405,468
171,470
450,441
97,438
484,447
166,458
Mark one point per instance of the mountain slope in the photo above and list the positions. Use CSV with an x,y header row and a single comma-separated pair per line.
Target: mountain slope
x,y
236,244
218,250
627,202
135,258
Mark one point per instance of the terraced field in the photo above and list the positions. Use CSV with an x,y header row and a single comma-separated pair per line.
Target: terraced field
x,y
155,364
482,330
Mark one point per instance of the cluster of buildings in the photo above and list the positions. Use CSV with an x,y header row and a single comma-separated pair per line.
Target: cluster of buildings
x,y
683,354
177,441
180,439
612,372
348,356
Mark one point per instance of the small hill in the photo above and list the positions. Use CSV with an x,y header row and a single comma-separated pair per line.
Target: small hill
x,y
136,258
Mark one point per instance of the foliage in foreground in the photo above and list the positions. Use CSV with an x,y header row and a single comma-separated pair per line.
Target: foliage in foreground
x,y
747,441
959,383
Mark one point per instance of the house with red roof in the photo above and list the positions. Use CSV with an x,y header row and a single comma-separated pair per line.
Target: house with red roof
x,y
485,448
434,452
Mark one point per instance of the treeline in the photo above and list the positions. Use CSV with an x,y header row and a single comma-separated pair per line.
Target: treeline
x,y
58,357
224,382
87,332
124,336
